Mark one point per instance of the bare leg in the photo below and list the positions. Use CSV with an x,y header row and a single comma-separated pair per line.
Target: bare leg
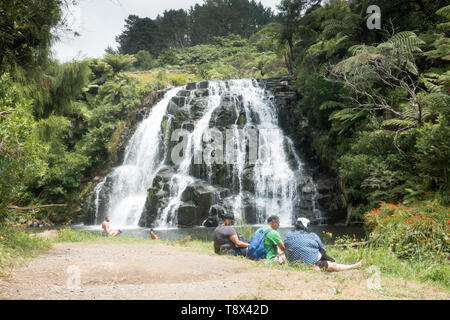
x,y
333,266
114,233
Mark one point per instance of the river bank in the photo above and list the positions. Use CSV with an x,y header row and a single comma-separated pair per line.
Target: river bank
x,y
130,268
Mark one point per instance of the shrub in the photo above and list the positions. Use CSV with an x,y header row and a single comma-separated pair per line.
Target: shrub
x,y
417,231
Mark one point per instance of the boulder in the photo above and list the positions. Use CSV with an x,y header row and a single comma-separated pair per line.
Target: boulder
x,y
216,214
188,215
191,86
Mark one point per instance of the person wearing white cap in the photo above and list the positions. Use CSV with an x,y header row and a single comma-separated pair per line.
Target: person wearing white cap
x,y
305,246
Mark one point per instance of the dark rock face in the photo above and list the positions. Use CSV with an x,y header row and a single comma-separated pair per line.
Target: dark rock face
x,y
90,213
330,199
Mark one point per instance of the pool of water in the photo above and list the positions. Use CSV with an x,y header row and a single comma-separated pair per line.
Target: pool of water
x,y
206,234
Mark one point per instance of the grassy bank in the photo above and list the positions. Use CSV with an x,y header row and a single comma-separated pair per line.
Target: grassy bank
x,y
16,246
376,259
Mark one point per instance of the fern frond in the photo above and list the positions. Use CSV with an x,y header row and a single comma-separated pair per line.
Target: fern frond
x,y
345,118
396,124
444,12
432,85
330,105
437,101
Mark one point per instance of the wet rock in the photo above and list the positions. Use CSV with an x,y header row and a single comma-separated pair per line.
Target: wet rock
x,y
188,125
184,93
179,101
188,215
201,93
225,115
248,182
191,86
197,107
94,211
156,199
216,214
326,184
308,188
163,176
203,85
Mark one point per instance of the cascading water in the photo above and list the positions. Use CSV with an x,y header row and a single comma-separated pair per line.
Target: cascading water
x,y
262,174
130,181
182,178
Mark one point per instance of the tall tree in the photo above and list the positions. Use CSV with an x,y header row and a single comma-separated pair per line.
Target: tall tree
x,y
140,34
291,12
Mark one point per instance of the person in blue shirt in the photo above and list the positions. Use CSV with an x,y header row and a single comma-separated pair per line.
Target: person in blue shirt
x,y
305,246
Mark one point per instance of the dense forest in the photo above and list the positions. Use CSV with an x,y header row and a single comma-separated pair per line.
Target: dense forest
x,y
377,99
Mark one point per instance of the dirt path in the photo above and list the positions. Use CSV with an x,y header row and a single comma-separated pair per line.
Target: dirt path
x,y
159,271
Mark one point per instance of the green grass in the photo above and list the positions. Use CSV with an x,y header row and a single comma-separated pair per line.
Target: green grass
x,y
388,264
69,235
391,265
16,246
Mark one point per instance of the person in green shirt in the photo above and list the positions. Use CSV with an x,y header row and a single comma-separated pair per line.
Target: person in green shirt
x,y
273,240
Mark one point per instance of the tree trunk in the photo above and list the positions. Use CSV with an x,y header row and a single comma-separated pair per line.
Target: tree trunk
x,y
36,207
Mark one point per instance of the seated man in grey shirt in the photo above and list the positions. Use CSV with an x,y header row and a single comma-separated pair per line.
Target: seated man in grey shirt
x,y
226,239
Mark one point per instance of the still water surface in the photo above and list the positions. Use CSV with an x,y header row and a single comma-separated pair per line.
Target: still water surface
x,y
206,234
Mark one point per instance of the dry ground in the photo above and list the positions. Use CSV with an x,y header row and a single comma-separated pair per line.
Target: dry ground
x,y
160,271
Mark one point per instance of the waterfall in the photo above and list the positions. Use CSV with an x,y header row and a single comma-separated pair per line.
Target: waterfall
x,y
130,181
261,174
182,178
97,190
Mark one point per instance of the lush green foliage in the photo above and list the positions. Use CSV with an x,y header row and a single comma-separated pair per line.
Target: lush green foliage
x,y
228,57
25,28
199,25
377,100
21,150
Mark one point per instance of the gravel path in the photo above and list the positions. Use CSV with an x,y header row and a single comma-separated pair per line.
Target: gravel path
x,y
159,271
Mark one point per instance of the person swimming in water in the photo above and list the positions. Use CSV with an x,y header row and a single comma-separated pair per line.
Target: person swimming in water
x,y
153,235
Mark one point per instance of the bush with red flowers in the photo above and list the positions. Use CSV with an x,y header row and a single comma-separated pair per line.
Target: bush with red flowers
x,y
419,230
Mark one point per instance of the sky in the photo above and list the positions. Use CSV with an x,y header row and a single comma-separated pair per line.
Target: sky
x,y
99,21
